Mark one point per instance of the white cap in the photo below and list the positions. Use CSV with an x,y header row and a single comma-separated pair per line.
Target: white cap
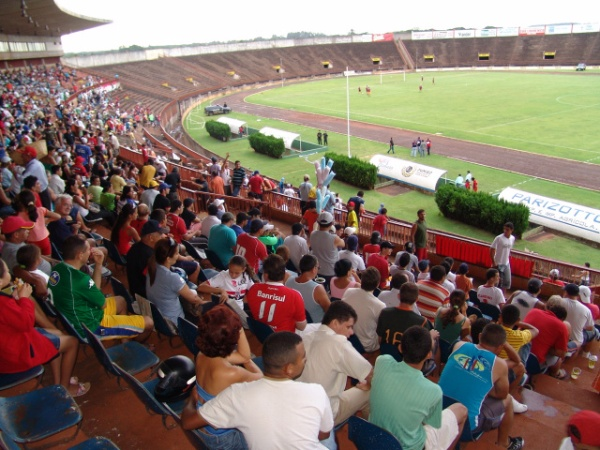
x,y
218,202
585,294
349,231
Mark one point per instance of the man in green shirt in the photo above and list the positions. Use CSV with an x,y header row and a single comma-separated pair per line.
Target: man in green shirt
x,y
76,295
407,404
418,235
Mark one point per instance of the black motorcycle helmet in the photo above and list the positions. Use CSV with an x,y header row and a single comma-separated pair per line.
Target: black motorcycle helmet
x,y
177,375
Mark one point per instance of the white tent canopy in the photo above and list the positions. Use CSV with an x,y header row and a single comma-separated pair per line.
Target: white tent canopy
x,y
288,137
234,124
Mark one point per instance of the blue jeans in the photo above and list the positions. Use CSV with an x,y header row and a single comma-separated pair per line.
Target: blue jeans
x,y
232,440
236,191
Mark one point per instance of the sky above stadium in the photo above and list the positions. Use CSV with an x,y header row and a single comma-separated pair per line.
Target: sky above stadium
x,y
173,22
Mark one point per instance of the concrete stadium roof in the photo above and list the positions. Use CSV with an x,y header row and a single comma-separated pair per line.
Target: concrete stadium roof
x,y
42,18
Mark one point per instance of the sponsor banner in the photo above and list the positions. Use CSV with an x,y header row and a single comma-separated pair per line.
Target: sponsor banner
x,y
407,172
486,32
569,218
418,35
586,27
464,34
532,31
443,34
508,31
383,37
559,29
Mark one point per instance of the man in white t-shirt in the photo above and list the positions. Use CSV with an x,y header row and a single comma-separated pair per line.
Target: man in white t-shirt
x,y
583,332
525,301
275,411
296,243
500,254
350,254
488,292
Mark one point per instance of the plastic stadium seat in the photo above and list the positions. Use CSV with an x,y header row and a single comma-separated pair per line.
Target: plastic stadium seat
x,y
9,380
194,437
197,253
96,443
489,311
39,414
113,253
367,436
188,333
259,329
119,289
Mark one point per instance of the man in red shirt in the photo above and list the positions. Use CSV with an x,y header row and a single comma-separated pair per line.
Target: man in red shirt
x,y
274,304
381,263
380,221
248,245
177,225
256,185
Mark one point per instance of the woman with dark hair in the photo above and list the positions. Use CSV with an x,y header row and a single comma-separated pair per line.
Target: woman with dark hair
x,y
24,204
224,359
127,197
122,233
164,287
452,322
345,278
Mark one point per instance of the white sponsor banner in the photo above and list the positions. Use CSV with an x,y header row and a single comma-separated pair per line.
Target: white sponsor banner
x,y
418,35
586,27
532,31
559,29
508,31
464,34
486,32
408,172
443,34
569,218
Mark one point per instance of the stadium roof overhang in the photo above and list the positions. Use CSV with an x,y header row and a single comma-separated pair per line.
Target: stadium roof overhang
x,y
42,18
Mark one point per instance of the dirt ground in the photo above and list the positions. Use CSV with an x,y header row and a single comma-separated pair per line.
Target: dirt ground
x,y
533,165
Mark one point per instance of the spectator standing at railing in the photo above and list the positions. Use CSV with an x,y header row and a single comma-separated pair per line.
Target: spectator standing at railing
x,y
304,190
418,235
237,179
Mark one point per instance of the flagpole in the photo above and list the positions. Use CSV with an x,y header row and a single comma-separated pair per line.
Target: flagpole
x,y
348,108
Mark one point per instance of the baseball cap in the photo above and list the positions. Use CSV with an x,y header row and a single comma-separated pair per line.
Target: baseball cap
x,y
572,289
583,428
152,226
258,224
463,268
585,294
14,223
554,273
423,264
256,172
153,183
534,285
218,202
325,218
352,242
29,150
351,205
386,244
162,186
348,231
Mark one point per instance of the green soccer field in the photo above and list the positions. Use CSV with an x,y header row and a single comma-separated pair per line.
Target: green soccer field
x,y
393,95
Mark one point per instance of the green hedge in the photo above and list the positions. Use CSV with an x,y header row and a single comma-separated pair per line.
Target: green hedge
x,y
267,145
218,130
481,210
353,170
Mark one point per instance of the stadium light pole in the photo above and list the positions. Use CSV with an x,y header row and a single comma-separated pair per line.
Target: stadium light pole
x,y
348,108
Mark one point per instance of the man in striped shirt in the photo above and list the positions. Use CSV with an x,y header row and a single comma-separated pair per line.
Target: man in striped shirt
x,y
432,294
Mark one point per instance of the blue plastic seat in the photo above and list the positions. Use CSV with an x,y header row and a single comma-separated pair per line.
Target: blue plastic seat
x,y
367,436
119,289
195,252
188,333
259,329
357,344
39,414
9,380
391,349
489,311
96,443
114,255
69,328
215,260
194,437
145,393
131,356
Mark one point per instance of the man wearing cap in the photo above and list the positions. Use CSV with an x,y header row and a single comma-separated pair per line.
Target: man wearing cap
x,y
78,297
220,204
580,318
222,239
139,255
16,231
254,213
150,194
381,263
553,278
248,245
324,246
350,254
35,168
297,244
255,184
160,200
527,300
582,431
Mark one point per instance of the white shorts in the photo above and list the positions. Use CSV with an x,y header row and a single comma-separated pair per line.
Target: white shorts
x,y
441,438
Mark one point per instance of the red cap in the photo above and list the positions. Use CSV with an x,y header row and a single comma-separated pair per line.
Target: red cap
x,y
351,204
14,223
29,150
586,424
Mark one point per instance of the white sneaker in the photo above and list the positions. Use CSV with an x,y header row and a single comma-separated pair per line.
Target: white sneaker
x,y
519,408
